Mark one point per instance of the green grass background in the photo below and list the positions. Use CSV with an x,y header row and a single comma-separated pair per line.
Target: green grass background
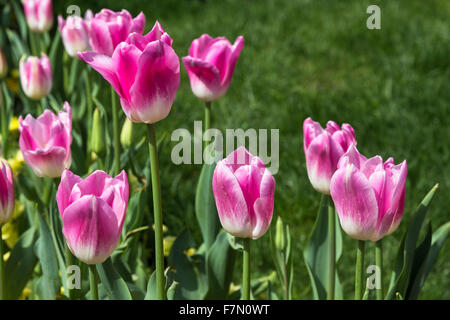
x,y
317,59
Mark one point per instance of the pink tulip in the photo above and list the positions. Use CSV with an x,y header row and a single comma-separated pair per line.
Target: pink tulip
x,y
74,33
3,65
6,193
144,71
109,28
323,149
210,65
39,14
369,195
36,76
45,142
244,193
92,211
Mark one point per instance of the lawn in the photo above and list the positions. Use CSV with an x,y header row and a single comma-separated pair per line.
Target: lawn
x,y
318,59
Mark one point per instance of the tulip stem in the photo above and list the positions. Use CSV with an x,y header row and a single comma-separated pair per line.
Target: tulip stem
x,y
379,263
331,250
359,274
93,282
157,212
4,124
207,123
90,103
2,268
116,133
246,270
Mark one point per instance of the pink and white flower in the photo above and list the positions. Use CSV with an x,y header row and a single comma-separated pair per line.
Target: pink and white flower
x,y
369,195
92,211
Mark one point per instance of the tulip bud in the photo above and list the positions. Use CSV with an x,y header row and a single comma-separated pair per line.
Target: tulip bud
x,y
126,135
97,134
369,195
6,193
36,76
74,33
210,65
3,65
39,14
92,211
280,237
323,149
244,194
45,142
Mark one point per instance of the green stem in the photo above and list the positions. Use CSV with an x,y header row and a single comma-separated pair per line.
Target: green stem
x,y
34,45
2,269
285,278
4,125
90,104
359,274
116,132
69,262
331,250
93,282
66,60
157,212
246,270
379,263
207,122
73,74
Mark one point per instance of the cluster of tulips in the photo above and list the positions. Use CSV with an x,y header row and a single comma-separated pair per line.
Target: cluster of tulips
x,y
144,71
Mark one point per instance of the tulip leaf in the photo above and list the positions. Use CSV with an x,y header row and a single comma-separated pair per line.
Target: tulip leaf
x,y
115,287
188,272
205,206
50,282
316,254
219,267
405,257
20,265
19,13
437,242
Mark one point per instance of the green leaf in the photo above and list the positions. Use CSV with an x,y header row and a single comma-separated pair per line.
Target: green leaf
x,y
20,265
405,256
417,269
316,253
188,272
115,287
438,240
205,206
46,252
219,267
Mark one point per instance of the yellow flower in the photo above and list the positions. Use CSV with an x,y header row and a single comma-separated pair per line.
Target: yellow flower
x,y
6,256
14,125
25,294
10,234
190,252
168,242
16,162
233,288
164,228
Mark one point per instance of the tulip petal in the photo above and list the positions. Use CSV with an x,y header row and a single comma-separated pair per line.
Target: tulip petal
x,y
355,203
91,229
160,67
68,181
104,65
125,63
204,78
263,206
49,162
100,38
230,202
